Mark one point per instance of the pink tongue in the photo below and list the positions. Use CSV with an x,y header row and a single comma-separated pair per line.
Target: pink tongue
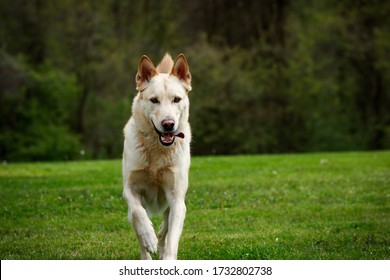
x,y
180,135
168,138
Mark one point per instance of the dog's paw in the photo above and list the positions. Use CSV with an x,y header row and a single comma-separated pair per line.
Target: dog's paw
x,y
149,240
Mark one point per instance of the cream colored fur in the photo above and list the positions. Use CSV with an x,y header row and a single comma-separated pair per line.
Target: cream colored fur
x,y
155,177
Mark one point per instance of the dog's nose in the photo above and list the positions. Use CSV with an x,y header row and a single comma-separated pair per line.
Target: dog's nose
x,y
168,124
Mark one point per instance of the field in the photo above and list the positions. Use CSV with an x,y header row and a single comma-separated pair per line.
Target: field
x,y
306,206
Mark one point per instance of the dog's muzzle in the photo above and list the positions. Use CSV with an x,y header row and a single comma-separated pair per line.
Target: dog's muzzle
x,y
167,138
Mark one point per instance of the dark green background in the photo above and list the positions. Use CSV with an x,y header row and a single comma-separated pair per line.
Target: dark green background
x,y
268,76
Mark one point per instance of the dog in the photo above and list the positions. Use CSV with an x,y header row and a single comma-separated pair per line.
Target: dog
x,y
156,155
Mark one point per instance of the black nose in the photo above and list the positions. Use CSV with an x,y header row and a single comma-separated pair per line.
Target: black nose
x,y
168,124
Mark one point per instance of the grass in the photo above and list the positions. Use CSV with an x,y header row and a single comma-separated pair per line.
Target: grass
x,y
307,206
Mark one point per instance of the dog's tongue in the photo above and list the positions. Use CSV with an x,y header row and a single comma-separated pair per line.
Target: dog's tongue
x,y
168,137
179,134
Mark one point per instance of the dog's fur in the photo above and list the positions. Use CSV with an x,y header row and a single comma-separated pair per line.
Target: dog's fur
x,y
156,156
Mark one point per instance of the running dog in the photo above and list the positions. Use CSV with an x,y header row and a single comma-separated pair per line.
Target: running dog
x,y
156,155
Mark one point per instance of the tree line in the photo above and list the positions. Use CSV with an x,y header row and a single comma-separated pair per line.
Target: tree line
x,y
268,76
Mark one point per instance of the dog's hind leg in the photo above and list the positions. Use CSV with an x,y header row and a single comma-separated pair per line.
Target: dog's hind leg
x,y
162,234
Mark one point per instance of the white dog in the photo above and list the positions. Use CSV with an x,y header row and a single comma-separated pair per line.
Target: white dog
x,y
156,156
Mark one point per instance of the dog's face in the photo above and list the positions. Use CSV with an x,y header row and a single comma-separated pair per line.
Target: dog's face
x,y
164,96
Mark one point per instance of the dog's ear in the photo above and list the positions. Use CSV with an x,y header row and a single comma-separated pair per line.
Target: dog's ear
x,y
146,72
182,71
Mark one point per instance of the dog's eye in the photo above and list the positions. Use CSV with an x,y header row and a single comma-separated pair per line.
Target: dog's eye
x,y
176,99
154,100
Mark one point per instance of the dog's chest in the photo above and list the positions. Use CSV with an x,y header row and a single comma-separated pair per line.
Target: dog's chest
x,y
156,176
156,168
151,183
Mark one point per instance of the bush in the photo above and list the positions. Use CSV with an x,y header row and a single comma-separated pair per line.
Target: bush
x,y
35,113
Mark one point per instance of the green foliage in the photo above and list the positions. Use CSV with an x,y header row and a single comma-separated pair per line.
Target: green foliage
x,y
308,206
35,113
268,76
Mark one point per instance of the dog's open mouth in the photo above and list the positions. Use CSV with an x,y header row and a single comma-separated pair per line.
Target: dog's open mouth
x,y
167,138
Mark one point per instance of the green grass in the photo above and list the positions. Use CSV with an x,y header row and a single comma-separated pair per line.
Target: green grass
x,y
308,206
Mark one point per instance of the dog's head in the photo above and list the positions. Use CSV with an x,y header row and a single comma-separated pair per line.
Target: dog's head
x,y
163,92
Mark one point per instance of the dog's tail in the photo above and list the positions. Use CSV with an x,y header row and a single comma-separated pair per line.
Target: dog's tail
x,y
166,64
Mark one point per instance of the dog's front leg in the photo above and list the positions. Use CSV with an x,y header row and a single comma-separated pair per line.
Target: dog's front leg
x,y
141,223
175,226
177,211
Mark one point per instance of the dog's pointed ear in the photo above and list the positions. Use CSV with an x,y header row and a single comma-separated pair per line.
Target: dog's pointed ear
x,y
182,71
146,71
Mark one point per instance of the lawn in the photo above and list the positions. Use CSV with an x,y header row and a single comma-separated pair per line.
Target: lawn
x,y
305,206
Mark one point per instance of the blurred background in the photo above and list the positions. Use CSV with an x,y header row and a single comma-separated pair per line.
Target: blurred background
x,y
268,76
